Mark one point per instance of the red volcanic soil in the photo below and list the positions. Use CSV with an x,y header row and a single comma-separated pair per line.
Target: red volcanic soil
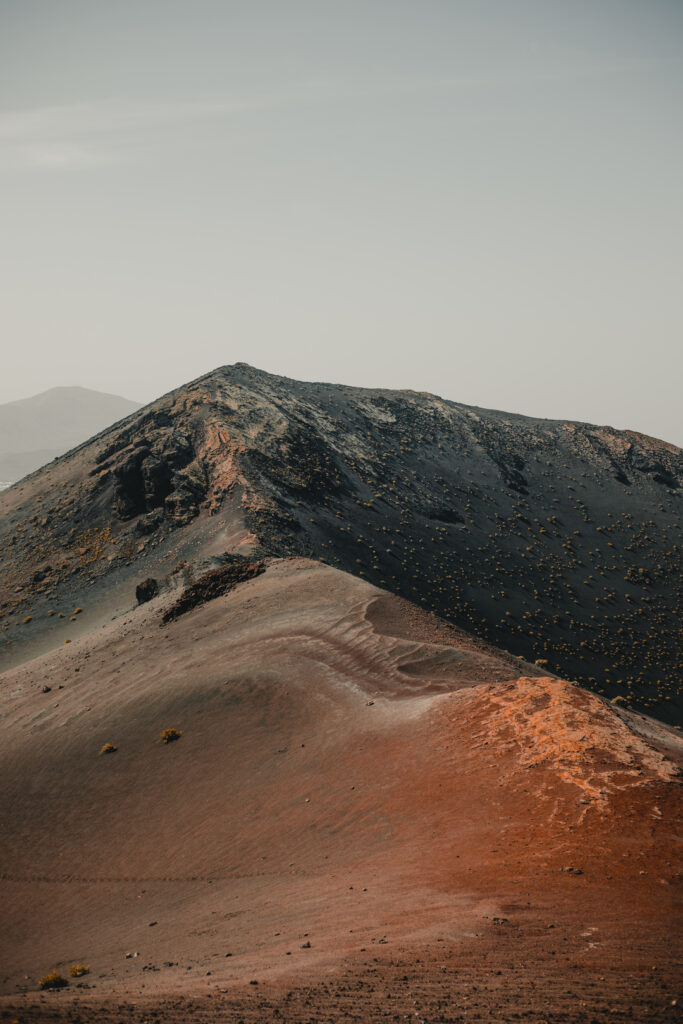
x,y
368,813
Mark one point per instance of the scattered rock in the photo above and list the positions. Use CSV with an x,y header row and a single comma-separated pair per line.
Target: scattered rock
x,y
146,590
214,584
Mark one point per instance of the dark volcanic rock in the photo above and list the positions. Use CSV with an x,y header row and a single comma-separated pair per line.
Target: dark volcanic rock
x,y
557,541
214,584
149,524
146,590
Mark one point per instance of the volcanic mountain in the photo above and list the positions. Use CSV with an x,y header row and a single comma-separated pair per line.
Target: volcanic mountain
x,y
35,430
243,779
556,541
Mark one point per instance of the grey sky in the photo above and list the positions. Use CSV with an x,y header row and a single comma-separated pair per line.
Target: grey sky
x,y
480,199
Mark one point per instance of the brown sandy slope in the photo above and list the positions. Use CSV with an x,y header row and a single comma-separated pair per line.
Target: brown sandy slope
x,y
352,773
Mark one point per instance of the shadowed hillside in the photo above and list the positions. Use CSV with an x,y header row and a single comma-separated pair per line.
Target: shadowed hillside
x,y
556,541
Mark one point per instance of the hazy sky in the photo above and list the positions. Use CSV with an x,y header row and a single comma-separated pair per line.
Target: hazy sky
x,y
481,199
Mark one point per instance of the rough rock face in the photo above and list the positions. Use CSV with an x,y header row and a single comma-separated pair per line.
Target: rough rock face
x,y
153,467
214,584
557,541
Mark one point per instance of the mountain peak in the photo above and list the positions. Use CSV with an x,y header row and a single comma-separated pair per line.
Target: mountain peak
x,y
553,540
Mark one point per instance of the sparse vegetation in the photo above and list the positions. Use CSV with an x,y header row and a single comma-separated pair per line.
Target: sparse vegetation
x,y
78,970
108,748
169,735
53,980
521,534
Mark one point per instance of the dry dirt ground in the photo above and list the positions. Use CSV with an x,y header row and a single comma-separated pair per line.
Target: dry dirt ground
x,y
368,816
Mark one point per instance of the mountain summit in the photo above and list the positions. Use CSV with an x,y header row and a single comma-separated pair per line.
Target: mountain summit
x,y
555,540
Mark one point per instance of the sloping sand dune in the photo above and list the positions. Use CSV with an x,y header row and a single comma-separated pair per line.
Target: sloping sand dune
x,y
352,773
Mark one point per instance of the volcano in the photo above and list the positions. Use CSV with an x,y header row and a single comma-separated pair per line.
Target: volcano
x,y
556,541
323,703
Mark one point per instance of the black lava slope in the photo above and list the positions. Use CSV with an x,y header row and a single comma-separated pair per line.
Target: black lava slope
x,y
554,540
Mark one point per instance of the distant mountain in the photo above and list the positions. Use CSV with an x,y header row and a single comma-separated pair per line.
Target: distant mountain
x,y
35,430
556,541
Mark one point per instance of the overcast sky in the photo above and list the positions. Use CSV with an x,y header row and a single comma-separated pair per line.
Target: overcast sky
x,y
480,199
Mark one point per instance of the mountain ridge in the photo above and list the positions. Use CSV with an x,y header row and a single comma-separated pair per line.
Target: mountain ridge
x,y
553,539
